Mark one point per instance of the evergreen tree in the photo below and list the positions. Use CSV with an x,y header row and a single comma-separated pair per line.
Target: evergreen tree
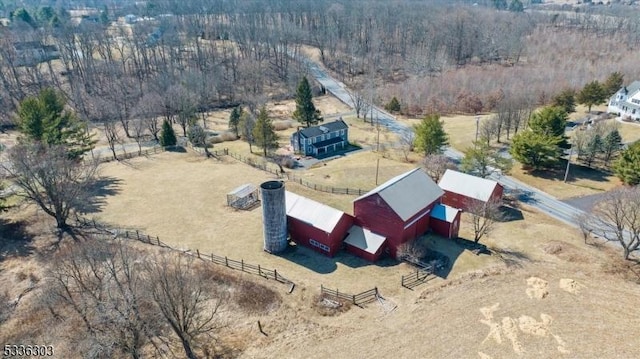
x,y
167,135
43,119
264,134
21,14
393,105
500,4
566,100
613,83
591,94
535,150
550,121
593,148
516,6
482,160
247,123
611,145
306,111
627,167
430,135
234,120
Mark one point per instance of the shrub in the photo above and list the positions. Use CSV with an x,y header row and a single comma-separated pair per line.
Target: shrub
x,y
282,125
167,135
393,105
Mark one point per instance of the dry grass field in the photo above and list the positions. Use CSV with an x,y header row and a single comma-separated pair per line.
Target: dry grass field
x,y
541,294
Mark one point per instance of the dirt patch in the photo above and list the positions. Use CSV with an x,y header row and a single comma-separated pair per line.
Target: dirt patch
x,y
570,285
537,288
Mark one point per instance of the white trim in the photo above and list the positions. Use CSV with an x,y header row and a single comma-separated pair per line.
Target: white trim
x,y
417,219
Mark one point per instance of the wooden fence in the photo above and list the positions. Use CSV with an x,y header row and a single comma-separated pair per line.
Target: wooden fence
x,y
357,299
129,155
420,276
240,265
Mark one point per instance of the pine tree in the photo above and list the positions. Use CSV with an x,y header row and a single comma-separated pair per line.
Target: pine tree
x,y
627,167
482,160
393,105
566,100
613,83
593,93
611,145
593,148
550,121
234,119
167,135
264,134
430,135
43,119
535,150
306,111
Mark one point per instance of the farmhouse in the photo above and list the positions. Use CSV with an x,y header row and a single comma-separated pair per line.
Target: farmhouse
x,y
321,140
399,208
626,102
462,190
316,225
445,220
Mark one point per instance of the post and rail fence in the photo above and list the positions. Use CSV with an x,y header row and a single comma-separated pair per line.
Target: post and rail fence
x,y
357,299
420,276
240,265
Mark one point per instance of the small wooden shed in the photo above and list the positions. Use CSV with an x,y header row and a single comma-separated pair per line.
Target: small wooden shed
x,y
445,220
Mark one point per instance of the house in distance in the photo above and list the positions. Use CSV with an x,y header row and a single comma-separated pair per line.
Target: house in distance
x,y
321,140
626,102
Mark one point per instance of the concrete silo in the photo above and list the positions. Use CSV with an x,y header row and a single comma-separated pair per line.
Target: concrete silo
x,y
274,216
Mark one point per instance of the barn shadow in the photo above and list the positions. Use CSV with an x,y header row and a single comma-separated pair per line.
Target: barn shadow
x,y
510,214
309,259
576,172
102,188
447,251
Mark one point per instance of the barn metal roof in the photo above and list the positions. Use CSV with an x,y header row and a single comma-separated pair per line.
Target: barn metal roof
x,y
444,212
243,191
467,185
364,239
408,193
314,213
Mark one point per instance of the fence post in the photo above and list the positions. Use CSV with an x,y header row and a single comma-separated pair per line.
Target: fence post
x,y
137,234
149,239
158,239
94,222
242,264
347,190
126,234
198,253
226,261
354,299
259,270
275,274
331,189
314,186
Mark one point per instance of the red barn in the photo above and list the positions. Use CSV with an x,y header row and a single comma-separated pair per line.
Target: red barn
x,y
316,225
445,220
399,208
461,190
364,243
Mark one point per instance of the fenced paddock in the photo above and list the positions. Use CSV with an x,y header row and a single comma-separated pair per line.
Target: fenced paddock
x,y
240,265
359,299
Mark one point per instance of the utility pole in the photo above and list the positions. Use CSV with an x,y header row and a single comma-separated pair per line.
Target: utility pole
x,y
477,126
566,172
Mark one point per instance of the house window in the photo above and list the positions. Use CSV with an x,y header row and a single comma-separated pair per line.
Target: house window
x,y
317,244
342,132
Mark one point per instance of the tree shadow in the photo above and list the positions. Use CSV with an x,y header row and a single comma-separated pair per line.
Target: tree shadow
x,y
509,257
444,250
15,239
510,214
98,191
576,172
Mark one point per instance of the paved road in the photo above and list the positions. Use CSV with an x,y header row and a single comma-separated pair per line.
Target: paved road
x,y
527,194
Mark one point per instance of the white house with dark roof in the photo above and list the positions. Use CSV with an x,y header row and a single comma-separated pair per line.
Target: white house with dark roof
x,y
626,102
321,140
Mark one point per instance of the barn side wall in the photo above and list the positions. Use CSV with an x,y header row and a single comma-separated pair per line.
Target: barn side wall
x,y
302,233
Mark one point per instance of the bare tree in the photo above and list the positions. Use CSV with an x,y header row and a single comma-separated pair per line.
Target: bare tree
x,y
483,216
436,165
407,139
359,103
139,129
617,217
50,179
412,251
188,304
112,135
101,285
489,129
